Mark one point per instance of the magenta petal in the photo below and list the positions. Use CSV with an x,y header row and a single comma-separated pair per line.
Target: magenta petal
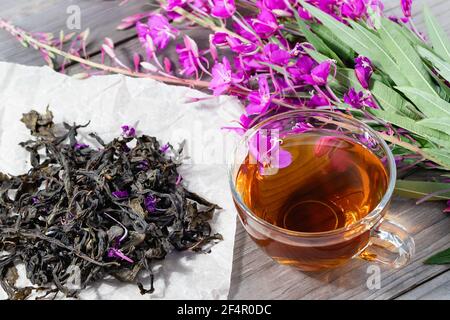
x,y
223,8
321,72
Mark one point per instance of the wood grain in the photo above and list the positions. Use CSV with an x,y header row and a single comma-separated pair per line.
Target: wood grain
x,y
101,17
255,276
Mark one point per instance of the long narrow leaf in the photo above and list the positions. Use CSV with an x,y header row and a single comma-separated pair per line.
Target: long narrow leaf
x,y
390,100
317,42
408,59
442,67
437,137
437,36
430,105
420,189
439,156
441,124
442,257
342,49
380,53
362,44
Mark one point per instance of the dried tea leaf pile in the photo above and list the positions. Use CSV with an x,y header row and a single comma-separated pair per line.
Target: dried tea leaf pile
x,y
106,211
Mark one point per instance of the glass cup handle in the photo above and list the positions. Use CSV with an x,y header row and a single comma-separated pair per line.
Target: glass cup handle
x,y
389,244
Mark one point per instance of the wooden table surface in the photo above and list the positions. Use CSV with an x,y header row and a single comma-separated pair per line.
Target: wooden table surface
x,y
255,276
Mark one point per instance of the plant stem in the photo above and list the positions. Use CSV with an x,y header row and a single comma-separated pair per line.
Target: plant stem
x,y
403,144
40,45
208,25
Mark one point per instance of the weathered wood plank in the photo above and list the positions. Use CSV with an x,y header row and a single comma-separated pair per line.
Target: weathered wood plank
x,y
257,276
439,8
437,288
101,17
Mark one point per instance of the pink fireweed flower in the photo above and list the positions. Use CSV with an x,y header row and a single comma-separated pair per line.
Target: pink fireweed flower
x,y
219,38
172,4
354,98
222,77
201,6
236,45
189,57
223,8
244,124
318,100
265,147
265,24
116,253
302,67
120,194
80,146
302,127
358,100
406,8
353,9
304,14
128,131
244,32
159,29
273,5
332,148
363,71
150,203
319,74
259,100
274,54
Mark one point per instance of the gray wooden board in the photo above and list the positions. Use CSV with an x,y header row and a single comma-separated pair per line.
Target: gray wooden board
x,y
255,276
100,16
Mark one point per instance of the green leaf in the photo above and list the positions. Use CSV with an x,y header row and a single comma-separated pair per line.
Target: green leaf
x,y
435,136
420,189
379,52
437,35
442,67
430,105
316,55
408,59
391,101
317,42
439,156
340,48
442,257
441,124
364,43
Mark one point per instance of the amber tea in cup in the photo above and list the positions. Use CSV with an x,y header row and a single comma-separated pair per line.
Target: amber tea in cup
x,y
311,189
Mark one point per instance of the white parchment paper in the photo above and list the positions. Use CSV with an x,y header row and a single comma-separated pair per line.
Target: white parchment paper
x,y
155,109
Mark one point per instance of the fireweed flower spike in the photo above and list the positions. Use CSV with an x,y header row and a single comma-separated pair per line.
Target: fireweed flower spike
x,y
363,71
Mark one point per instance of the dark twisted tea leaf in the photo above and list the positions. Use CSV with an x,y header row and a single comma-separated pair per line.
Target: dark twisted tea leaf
x,y
108,211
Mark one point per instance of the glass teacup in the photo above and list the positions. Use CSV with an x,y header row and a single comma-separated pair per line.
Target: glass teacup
x,y
372,237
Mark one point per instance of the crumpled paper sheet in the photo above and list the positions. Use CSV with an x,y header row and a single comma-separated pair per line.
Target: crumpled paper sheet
x,y
155,109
